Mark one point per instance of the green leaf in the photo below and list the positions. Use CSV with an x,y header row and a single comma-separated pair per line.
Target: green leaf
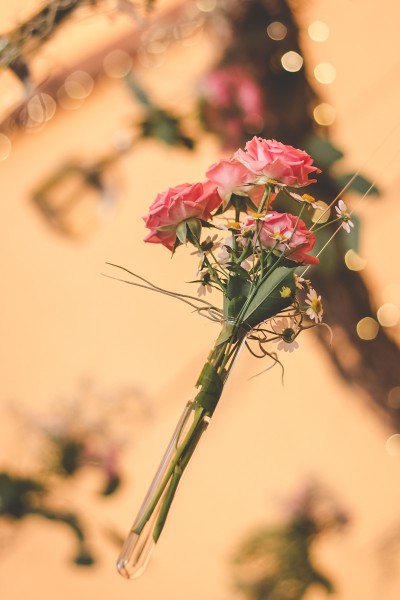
x,y
181,232
226,333
323,152
267,300
194,226
237,291
360,184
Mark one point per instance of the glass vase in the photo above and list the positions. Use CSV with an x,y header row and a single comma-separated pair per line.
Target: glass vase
x,y
150,521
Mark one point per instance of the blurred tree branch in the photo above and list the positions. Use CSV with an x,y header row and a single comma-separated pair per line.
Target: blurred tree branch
x,y
288,103
289,100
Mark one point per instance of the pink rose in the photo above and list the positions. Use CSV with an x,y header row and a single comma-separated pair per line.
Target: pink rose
x,y
178,204
233,177
269,159
278,230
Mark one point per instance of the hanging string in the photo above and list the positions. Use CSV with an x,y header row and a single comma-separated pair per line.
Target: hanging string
x,y
356,174
373,184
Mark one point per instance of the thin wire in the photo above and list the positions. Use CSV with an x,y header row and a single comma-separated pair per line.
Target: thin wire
x,y
359,201
348,184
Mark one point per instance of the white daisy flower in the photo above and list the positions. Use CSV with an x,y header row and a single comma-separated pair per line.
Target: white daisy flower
x,y
287,329
342,213
315,310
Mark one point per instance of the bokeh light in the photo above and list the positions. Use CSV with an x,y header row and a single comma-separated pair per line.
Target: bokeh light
x,y
367,328
79,85
324,114
41,108
318,31
394,397
393,445
117,64
206,5
354,261
325,73
276,31
388,314
292,61
5,146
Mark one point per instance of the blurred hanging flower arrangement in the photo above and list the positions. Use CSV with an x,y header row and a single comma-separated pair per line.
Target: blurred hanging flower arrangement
x,y
255,260
64,446
277,561
231,104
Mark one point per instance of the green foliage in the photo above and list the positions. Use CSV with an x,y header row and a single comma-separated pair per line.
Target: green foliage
x,y
277,564
24,497
322,148
158,123
237,291
17,494
268,301
164,126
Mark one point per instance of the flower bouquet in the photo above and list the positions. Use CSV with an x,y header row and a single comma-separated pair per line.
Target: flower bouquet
x,y
253,258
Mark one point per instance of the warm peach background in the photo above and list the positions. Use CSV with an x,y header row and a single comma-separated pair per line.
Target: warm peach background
x,y
61,320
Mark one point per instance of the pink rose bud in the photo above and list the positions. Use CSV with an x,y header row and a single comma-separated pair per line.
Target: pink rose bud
x,y
233,177
178,204
278,230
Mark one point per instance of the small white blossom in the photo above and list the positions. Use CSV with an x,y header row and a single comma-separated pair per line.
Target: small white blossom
x,y
342,213
315,310
209,244
205,286
287,329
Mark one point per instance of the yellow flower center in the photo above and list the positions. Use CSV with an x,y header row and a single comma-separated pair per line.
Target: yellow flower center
x,y
308,198
277,235
317,306
286,292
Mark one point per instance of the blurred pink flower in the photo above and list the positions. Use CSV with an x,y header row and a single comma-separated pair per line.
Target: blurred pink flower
x,y
232,85
232,104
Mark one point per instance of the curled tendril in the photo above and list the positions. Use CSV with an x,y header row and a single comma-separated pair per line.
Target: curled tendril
x,y
259,336
202,307
274,357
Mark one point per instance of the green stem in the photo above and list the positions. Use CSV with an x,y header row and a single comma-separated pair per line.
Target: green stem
x,y
315,230
199,414
213,271
210,383
176,477
265,198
